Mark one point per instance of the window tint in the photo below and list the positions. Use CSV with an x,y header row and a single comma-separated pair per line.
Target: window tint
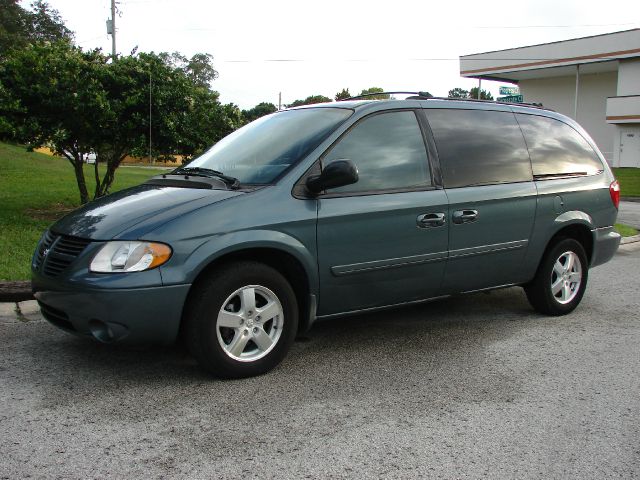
x,y
557,149
478,147
388,150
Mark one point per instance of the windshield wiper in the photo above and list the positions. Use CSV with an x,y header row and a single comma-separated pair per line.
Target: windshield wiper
x,y
208,172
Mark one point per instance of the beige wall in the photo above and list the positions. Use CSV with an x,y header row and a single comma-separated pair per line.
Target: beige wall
x,y
558,93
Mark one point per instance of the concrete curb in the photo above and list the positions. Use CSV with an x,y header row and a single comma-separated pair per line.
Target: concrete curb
x,y
15,291
633,239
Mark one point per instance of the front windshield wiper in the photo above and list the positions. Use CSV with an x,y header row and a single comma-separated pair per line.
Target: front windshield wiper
x,y
208,172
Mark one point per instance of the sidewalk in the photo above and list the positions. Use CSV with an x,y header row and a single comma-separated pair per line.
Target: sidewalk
x,y
27,311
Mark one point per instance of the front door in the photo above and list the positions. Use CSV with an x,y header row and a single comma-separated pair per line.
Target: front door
x,y
630,147
382,240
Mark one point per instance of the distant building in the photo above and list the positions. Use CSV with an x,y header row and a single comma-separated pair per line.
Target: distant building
x,y
595,80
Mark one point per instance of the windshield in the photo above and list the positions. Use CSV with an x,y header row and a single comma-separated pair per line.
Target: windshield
x,y
260,151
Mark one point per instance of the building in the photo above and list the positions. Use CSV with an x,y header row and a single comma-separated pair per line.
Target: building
x,y
594,80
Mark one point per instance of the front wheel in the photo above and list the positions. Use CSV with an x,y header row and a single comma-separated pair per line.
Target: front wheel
x,y
561,280
241,320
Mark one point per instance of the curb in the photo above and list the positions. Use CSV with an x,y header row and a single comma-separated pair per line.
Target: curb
x,y
633,239
15,291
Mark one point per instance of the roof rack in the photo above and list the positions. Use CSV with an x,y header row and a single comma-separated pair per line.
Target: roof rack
x,y
428,96
419,94
519,104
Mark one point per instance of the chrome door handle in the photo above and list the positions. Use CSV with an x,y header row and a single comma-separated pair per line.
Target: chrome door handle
x,y
431,220
464,216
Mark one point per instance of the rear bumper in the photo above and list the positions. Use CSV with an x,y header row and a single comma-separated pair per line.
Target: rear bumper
x,y
605,244
136,315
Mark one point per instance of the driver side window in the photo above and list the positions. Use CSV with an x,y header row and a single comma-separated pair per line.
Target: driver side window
x,y
388,150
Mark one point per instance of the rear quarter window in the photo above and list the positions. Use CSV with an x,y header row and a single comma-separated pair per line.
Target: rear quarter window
x,y
479,147
557,149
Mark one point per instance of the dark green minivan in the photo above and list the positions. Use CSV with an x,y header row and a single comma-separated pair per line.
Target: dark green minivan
x,y
328,210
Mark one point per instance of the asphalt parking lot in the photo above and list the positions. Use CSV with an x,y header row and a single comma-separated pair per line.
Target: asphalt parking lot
x,y
468,387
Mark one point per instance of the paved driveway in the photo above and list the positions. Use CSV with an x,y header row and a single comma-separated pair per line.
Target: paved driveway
x,y
472,387
629,214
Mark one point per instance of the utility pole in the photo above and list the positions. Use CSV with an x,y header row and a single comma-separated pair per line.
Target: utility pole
x,y
113,29
279,101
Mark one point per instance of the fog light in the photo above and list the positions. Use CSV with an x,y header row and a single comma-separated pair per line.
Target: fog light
x,y
107,332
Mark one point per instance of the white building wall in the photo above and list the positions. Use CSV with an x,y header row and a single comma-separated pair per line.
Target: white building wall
x,y
558,93
629,77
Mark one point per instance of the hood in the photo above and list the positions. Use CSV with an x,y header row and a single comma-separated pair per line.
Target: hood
x,y
144,207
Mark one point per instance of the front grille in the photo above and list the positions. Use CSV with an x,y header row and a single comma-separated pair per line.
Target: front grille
x,y
45,245
57,252
55,316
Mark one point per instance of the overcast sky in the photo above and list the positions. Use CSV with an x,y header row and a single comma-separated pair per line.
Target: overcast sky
x,y
302,48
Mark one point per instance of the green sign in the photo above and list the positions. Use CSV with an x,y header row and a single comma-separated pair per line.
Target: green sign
x,y
511,99
509,90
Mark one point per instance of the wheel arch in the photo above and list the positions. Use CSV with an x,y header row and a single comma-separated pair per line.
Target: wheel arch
x,y
297,271
577,225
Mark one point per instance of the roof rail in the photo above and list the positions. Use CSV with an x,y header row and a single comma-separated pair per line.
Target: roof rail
x,y
428,96
419,94
519,104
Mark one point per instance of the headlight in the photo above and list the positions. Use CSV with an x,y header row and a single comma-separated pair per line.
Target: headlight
x,y
130,256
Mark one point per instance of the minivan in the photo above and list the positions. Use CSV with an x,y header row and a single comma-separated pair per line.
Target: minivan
x,y
329,210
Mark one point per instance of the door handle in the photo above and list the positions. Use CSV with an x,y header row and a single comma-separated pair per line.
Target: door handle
x,y
431,220
464,216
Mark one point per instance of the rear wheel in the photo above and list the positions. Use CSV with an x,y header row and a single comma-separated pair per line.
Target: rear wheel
x,y
561,280
241,320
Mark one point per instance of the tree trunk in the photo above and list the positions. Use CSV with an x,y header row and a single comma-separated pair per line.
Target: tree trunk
x,y
102,187
82,185
96,174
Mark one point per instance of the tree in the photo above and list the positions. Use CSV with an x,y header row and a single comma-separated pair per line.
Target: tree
x,y
484,94
458,93
343,94
199,67
186,116
46,24
76,102
366,91
53,98
19,27
309,101
260,110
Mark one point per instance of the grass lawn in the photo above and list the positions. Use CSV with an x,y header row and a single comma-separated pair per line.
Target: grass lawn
x,y
36,190
625,230
629,179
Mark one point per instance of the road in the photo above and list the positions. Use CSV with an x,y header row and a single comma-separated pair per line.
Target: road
x,y
629,214
469,387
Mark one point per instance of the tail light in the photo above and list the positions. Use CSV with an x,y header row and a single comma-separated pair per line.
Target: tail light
x,y
614,191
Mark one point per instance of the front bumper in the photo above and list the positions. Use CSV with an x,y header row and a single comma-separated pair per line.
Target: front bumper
x,y
605,244
127,315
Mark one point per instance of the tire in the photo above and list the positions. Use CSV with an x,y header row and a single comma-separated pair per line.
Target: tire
x,y
561,279
241,320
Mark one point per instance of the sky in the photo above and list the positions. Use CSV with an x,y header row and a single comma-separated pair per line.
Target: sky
x,y
302,48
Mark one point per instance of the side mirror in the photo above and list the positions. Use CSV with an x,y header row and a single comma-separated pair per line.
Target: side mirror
x,y
337,174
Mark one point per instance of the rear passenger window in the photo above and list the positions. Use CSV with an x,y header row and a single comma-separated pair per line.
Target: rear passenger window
x,y
388,150
556,149
479,147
